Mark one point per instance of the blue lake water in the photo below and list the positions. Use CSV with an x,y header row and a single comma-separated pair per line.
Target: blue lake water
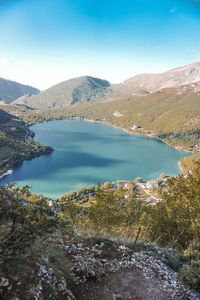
x,y
89,153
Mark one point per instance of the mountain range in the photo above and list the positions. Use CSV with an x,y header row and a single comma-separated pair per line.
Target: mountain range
x,y
11,90
184,76
89,89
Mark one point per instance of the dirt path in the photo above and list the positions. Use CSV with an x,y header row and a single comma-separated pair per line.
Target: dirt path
x,y
127,284
98,271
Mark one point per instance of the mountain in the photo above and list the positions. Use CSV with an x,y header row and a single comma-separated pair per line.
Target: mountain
x,y
188,75
70,92
4,116
11,90
89,89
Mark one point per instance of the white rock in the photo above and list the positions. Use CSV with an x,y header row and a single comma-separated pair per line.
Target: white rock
x,y
4,282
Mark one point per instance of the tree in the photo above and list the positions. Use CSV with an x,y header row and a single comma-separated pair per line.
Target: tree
x,y
107,185
111,212
138,180
22,220
175,220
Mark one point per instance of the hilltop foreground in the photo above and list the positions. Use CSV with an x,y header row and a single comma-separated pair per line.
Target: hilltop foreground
x,y
95,269
111,245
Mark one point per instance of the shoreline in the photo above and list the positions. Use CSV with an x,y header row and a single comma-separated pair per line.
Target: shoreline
x,y
152,136
147,136
50,150
12,166
7,173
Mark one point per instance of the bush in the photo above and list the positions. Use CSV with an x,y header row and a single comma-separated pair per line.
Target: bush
x,y
22,220
175,220
190,272
111,212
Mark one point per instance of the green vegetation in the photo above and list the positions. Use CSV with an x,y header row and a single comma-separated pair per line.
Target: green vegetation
x,y
167,115
120,213
174,222
28,228
110,211
24,217
188,163
73,91
16,142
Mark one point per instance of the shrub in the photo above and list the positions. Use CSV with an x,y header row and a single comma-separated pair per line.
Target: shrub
x,y
175,220
190,272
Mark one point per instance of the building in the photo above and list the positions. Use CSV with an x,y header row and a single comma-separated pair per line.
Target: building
x,y
117,114
152,184
136,127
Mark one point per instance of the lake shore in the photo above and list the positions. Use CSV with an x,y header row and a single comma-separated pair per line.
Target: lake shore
x,y
138,132
13,164
129,131
152,136
87,153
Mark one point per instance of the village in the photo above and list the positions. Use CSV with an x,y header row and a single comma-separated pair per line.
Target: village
x,y
147,191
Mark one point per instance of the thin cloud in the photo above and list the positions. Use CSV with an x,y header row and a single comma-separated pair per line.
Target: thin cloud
x,y
3,61
23,63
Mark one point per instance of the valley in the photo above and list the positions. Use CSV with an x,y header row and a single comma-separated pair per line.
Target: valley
x,y
173,118
66,234
99,150
165,105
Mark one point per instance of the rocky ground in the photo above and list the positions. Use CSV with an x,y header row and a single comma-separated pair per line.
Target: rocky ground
x,y
100,271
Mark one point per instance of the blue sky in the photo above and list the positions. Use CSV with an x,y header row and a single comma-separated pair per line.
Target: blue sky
x,y
43,42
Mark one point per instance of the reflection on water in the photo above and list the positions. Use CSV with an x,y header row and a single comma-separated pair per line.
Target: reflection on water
x,y
87,153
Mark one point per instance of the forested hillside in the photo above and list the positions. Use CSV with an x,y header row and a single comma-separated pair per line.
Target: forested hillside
x,y
175,118
70,92
16,142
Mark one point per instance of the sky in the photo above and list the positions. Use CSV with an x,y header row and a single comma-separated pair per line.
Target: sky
x,y
44,42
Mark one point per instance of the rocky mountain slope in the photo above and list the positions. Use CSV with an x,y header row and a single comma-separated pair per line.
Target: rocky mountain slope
x,y
188,75
4,116
11,90
89,89
70,92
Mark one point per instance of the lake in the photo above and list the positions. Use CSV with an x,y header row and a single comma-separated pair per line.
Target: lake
x,y
89,153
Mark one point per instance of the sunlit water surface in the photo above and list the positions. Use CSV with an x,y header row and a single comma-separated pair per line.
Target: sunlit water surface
x,y
88,153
